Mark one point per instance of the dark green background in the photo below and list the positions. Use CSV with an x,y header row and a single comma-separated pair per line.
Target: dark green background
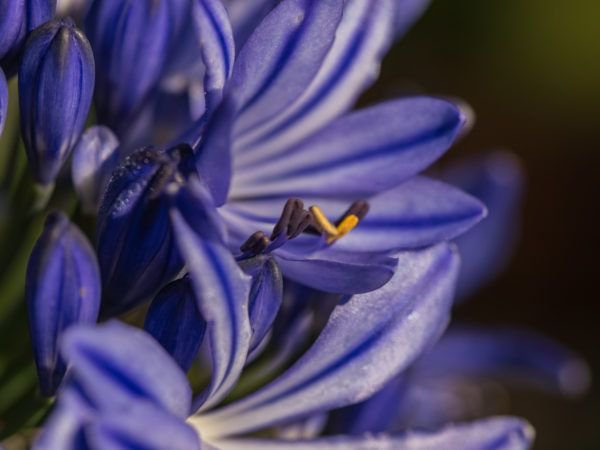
x,y
531,70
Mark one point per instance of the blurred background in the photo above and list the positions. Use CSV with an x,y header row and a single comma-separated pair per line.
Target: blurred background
x,y
531,71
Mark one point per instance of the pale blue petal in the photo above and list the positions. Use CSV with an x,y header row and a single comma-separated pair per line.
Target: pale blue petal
x,y
359,155
368,340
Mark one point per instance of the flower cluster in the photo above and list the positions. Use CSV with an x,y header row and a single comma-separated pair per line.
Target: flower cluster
x,y
269,266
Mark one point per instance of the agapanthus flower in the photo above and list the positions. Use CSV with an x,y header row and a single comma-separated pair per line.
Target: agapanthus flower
x,y
3,100
276,142
122,382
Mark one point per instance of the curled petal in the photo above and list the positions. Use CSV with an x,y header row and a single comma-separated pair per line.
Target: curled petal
x,y
368,340
497,433
63,289
174,321
114,365
221,290
358,155
94,158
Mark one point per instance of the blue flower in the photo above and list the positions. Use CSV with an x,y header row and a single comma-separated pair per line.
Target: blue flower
x,y
122,382
278,134
63,289
19,18
56,82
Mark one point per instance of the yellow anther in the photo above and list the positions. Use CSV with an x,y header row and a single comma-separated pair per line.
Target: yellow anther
x,y
323,222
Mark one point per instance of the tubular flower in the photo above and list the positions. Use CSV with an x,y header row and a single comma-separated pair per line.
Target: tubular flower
x,y
18,19
56,83
63,289
3,101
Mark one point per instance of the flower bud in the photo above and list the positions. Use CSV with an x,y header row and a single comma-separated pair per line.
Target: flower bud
x,y
3,100
175,321
17,19
62,289
94,158
56,83
135,245
132,42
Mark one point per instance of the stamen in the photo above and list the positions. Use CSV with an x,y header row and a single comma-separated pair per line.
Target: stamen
x,y
322,222
295,220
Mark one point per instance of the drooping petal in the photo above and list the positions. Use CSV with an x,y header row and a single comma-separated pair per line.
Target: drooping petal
x,y
94,158
368,340
266,295
359,155
142,426
338,271
352,64
114,365
221,290
508,354
497,433
56,83
497,179
173,320
62,290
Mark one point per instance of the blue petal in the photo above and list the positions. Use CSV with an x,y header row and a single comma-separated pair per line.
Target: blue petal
x,y
142,426
56,83
114,365
407,13
266,295
18,19
173,320
514,355
359,155
351,65
62,289
131,42
368,340
418,213
221,290
3,100
282,56
94,158
246,15
497,179
497,433
217,46
338,271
